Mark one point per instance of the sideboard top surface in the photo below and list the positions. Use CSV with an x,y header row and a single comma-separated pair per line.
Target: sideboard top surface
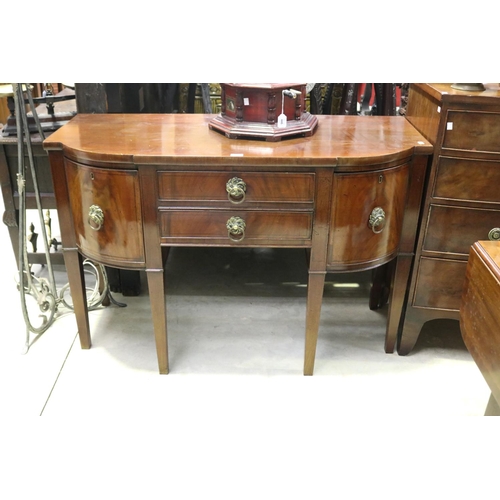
x,y
186,138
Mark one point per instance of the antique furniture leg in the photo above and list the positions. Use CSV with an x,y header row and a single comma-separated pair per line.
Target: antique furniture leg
x,y
74,267
317,266
314,298
493,409
381,285
397,299
413,323
158,309
155,266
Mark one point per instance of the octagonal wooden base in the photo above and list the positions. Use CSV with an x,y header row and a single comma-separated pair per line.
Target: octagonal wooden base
x,y
254,130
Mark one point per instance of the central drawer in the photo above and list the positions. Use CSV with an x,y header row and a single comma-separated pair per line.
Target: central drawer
x,y
248,188
236,208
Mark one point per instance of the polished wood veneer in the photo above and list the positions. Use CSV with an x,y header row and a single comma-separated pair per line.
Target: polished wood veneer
x,y
348,242
480,315
350,194
262,189
120,238
278,228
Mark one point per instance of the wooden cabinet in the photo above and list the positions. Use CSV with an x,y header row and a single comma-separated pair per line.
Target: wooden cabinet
x,y
462,202
348,195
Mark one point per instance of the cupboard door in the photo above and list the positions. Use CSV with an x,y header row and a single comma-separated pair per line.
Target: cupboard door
x,y
107,213
367,216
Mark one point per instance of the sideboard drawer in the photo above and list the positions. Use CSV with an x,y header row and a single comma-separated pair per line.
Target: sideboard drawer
x,y
455,229
467,179
258,187
472,131
107,215
439,283
264,227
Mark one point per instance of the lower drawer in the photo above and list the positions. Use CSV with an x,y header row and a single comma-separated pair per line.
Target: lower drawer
x,y
439,283
455,229
264,227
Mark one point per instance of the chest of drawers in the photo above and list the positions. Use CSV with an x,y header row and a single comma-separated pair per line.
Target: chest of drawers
x,y
462,201
128,185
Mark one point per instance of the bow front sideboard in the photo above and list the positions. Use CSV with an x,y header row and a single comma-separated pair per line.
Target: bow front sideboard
x,y
128,185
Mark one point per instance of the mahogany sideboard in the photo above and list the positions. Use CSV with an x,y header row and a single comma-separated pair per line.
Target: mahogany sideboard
x,y
128,185
480,315
462,200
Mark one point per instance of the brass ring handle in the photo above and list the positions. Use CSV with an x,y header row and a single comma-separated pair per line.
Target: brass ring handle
x,y
494,234
236,227
377,220
96,217
236,189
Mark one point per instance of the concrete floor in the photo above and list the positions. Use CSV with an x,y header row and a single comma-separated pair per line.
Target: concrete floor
x,y
236,389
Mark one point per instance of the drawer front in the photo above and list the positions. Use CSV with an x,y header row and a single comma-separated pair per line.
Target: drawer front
x,y
473,180
455,229
281,187
473,131
263,227
356,197
110,233
439,284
